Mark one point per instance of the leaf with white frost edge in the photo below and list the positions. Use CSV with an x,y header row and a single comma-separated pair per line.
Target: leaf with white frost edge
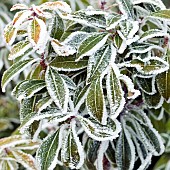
x,y
57,88
115,93
15,69
163,15
18,6
98,131
47,154
125,151
158,3
28,88
132,92
91,44
22,48
25,159
72,153
95,101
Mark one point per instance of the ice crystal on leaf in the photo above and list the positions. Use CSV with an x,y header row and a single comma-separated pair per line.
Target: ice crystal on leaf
x,y
94,79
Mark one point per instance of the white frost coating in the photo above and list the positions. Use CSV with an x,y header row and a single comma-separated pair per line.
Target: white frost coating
x,y
79,146
40,45
18,6
92,11
23,162
112,26
135,25
23,68
130,86
112,134
154,2
95,48
61,49
103,147
37,132
23,15
55,160
146,162
58,5
45,105
117,107
11,166
158,33
21,52
132,40
14,34
122,47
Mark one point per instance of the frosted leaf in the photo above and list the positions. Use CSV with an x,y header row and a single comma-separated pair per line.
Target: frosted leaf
x,y
28,88
47,154
163,15
57,88
91,44
72,153
158,3
10,33
55,6
15,69
95,101
25,159
125,150
132,92
18,6
22,48
70,83
37,34
20,17
151,34
115,93
100,132
126,7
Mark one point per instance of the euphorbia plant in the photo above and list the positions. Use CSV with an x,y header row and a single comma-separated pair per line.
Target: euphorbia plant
x,y
97,76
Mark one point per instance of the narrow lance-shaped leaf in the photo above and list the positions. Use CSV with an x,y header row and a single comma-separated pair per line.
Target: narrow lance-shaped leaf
x,y
47,154
125,151
10,33
15,69
161,15
25,159
69,63
91,44
114,92
98,131
28,88
57,88
72,153
22,48
95,101
100,61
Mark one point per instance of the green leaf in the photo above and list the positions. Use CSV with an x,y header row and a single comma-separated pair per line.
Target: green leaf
x,y
151,34
72,153
115,93
126,7
15,69
125,151
47,154
163,84
10,33
57,28
153,101
69,63
95,101
100,61
91,44
27,88
57,88
162,15
98,131
22,48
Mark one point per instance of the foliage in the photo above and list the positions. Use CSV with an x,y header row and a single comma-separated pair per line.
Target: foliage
x,y
96,84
